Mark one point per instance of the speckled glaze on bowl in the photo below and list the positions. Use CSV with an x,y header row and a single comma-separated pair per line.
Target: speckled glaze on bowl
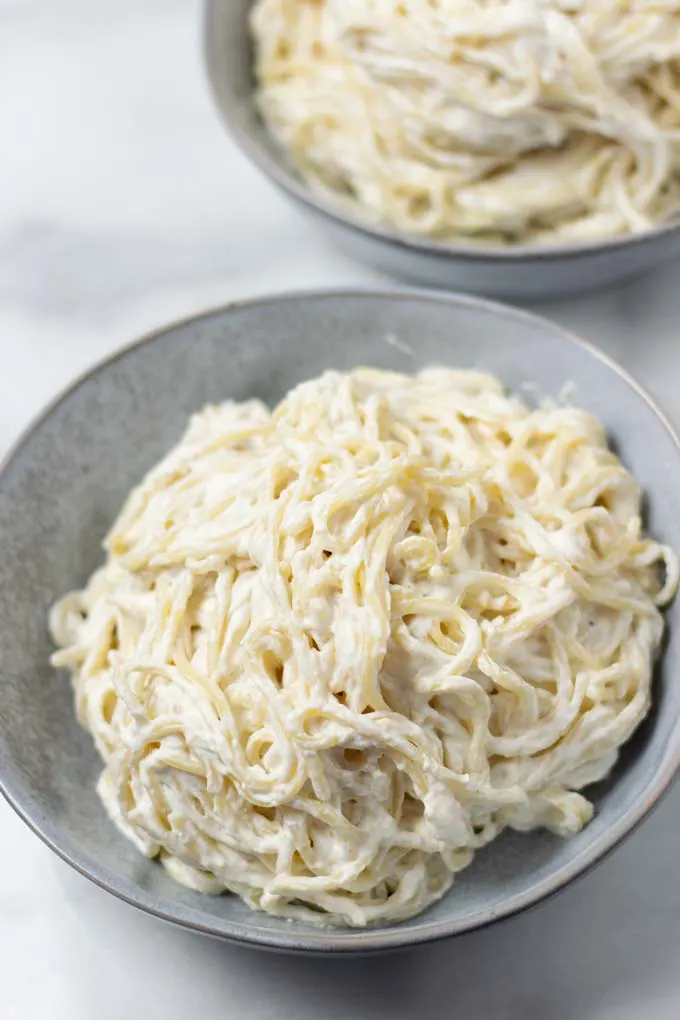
x,y
62,487
516,273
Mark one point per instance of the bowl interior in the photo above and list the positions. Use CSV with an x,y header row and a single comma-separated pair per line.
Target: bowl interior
x,y
67,479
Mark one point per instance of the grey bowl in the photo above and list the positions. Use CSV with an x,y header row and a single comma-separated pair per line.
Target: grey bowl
x,y
62,486
516,273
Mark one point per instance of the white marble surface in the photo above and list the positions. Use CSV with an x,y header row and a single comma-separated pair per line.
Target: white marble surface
x,y
122,205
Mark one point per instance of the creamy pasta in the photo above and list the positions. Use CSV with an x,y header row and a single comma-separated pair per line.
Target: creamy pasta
x,y
502,121
338,647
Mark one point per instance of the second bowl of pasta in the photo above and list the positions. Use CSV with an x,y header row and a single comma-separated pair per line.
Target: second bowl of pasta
x,y
490,148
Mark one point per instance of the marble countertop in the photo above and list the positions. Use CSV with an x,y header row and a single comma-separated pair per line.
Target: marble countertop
x,y
122,206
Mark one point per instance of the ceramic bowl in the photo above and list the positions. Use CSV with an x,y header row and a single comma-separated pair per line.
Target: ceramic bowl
x,y
64,483
525,272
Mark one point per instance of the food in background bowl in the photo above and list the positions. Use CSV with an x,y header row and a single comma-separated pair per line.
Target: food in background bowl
x,y
500,122
338,647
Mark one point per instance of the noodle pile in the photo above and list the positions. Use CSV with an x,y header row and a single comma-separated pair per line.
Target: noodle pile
x,y
338,647
499,121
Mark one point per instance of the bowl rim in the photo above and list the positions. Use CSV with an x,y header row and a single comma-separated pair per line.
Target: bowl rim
x,y
317,202
351,941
